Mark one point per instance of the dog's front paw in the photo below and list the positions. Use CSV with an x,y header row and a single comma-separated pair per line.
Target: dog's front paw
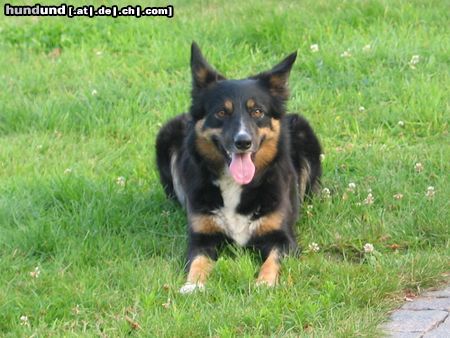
x,y
265,283
189,287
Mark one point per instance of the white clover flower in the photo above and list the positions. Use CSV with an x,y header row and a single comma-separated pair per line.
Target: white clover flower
x,y
167,304
368,248
121,181
309,209
367,48
369,199
35,273
314,48
98,53
418,167
326,193
322,157
430,192
24,320
76,309
398,196
94,92
346,54
314,247
414,60
401,124
351,187
68,171
361,109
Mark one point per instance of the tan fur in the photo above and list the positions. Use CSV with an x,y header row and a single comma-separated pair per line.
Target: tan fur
x,y
278,84
201,74
199,270
270,223
268,149
228,104
250,104
204,224
270,270
204,143
206,132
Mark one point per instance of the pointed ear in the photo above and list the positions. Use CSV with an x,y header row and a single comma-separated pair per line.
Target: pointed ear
x,y
202,73
277,78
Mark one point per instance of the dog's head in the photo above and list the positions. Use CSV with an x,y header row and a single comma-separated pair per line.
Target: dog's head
x,y
237,122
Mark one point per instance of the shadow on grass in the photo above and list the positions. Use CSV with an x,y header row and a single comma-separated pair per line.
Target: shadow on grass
x,y
74,215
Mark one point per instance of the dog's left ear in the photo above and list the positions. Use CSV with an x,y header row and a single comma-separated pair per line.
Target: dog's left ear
x,y
277,78
202,73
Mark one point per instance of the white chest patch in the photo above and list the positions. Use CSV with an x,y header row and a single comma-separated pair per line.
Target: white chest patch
x,y
238,227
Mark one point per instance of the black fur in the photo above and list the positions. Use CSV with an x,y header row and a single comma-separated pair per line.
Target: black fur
x,y
274,187
170,138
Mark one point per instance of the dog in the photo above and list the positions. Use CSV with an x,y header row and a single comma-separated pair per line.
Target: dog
x,y
239,165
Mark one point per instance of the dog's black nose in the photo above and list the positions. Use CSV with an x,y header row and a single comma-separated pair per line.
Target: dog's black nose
x,y
243,141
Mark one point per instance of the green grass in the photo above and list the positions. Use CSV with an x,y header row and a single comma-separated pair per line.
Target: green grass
x,y
108,252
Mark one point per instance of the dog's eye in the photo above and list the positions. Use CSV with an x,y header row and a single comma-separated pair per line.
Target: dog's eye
x,y
257,113
221,114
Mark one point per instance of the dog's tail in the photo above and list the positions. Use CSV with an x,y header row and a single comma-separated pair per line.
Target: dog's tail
x,y
168,144
305,154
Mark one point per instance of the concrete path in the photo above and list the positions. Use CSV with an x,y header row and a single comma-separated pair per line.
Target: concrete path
x,y
426,316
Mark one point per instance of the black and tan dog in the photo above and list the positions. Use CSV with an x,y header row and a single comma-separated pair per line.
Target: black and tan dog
x,y
239,165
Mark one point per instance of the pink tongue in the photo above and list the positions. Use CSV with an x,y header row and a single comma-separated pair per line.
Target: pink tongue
x,y
242,168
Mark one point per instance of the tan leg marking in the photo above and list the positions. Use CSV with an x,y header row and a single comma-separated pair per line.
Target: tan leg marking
x,y
270,223
199,270
270,270
204,224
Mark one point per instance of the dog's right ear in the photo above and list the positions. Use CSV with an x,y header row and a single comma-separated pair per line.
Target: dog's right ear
x,y
202,73
276,79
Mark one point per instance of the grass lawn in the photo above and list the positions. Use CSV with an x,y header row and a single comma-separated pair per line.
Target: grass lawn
x,y
81,100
